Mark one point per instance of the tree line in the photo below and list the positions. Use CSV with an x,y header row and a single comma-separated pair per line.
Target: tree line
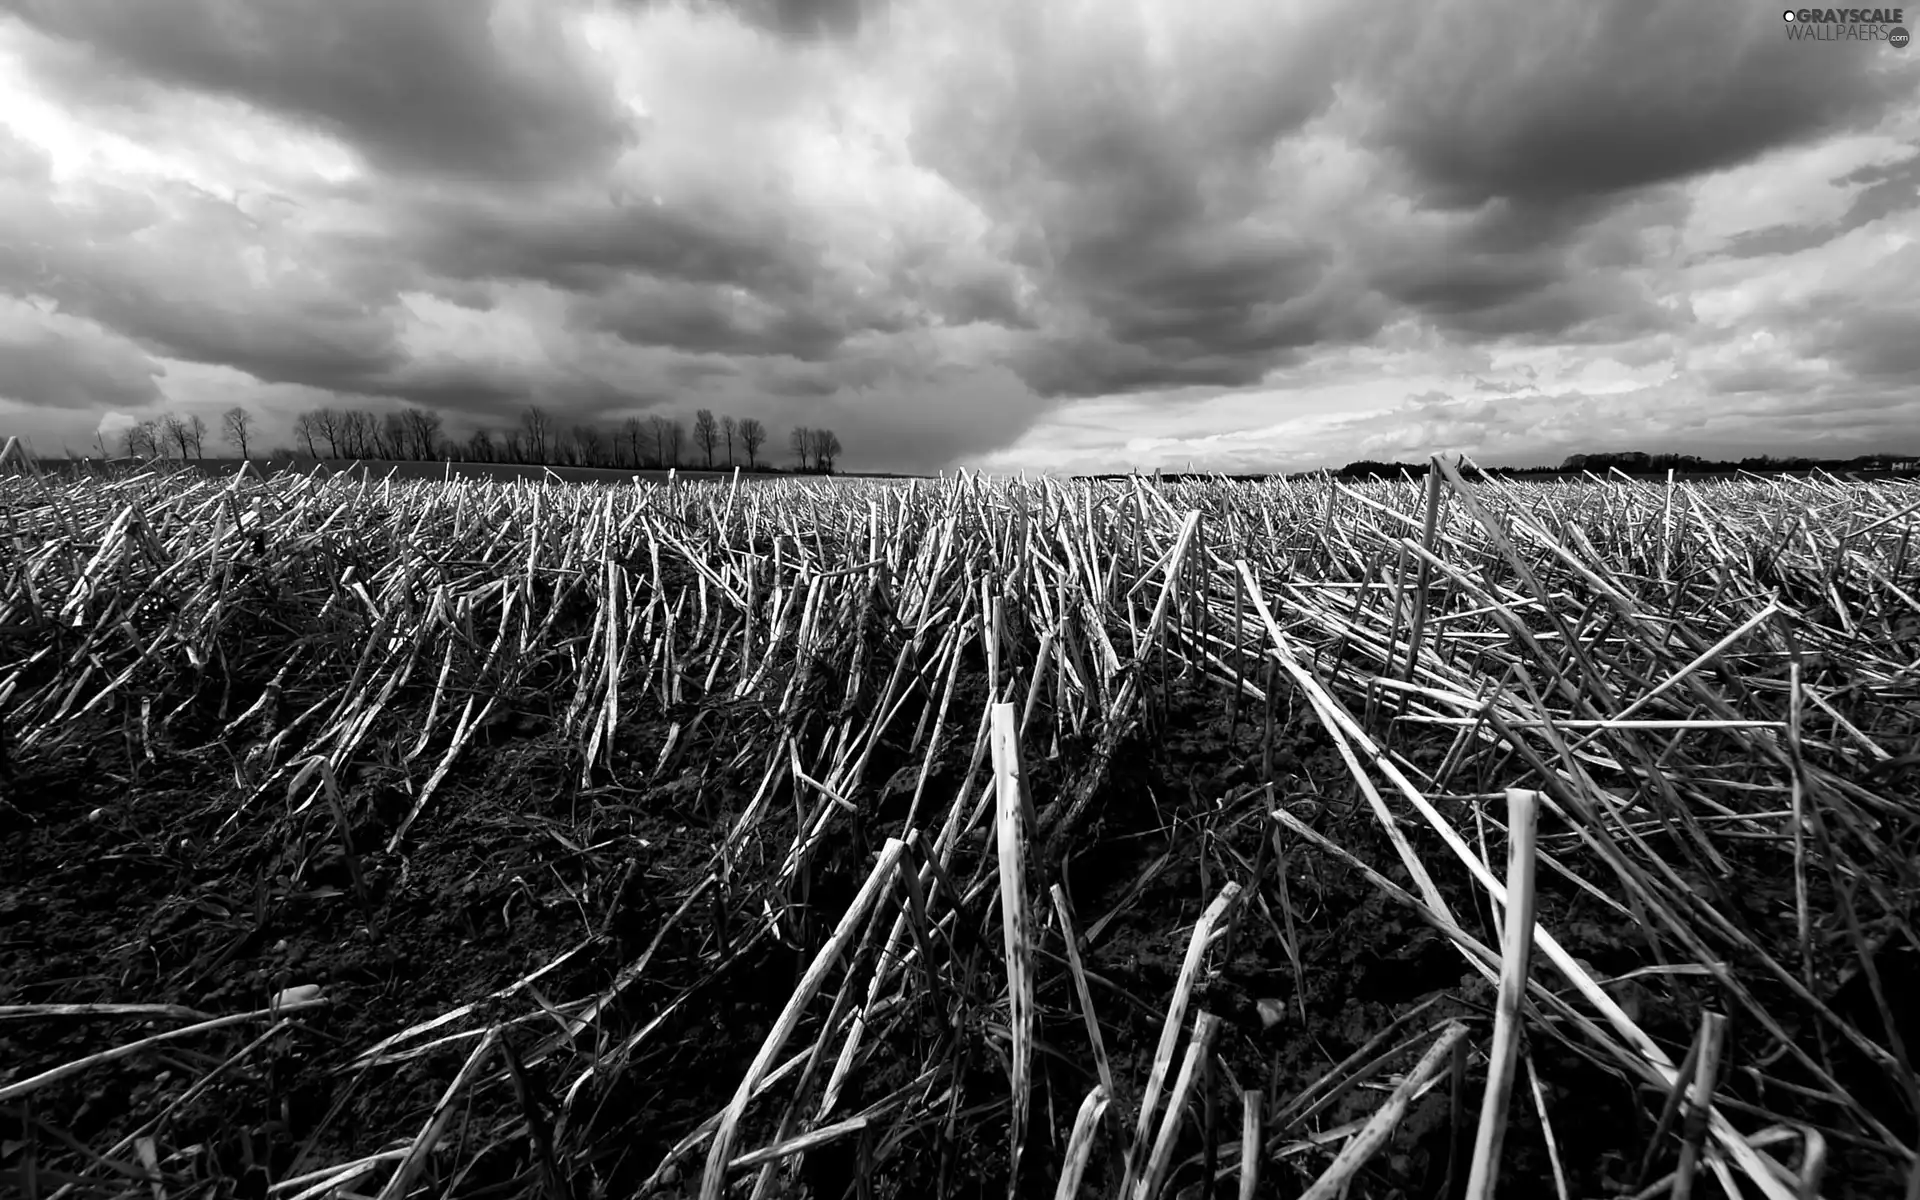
x,y
1636,462
657,442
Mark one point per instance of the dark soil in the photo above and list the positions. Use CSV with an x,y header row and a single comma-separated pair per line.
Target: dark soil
x,y
125,879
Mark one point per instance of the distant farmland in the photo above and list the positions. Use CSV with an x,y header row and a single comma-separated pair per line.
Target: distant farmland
x,y
408,469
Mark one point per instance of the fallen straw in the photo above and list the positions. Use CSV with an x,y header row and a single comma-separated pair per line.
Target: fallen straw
x,y
1380,1127
1170,1032
1706,1077
1199,1045
1015,924
1080,1142
1249,1143
720,1151
55,1074
409,1169
1516,947
1064,911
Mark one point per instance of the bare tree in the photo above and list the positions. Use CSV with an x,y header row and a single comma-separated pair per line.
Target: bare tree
x,y
236,425
729,429
357,430
590,446
423,431
538,428
826,448
392,439
306,428
632,433
676,441
657,439
328,424
176,432
800,441
669,437
480,446
136,438
706,434
753,435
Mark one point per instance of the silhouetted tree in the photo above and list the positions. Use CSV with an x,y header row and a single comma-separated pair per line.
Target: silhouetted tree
x,y
306,428
176,432
669,438
826,448
676,441
800,441
634,432
141,439
423,431
753,435
729,429
359,432
327,425
480,446
706,434
589,445
391,441
538,428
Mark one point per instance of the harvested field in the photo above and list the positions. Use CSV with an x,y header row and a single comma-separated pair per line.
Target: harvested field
x,y
958,838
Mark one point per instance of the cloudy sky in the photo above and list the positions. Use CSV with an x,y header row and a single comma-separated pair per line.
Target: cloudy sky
x,y
1017,234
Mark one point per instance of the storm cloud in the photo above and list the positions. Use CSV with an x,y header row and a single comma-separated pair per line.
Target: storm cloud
x,y
1268,236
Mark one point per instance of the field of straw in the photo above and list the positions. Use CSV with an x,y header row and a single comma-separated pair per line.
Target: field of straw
x,y
958,838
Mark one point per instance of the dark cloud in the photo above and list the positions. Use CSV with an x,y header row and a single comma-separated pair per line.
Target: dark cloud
x,y
1868,332
51,369
319,343
964,293
699,275
1135,198
422,86
1777,240
1456,289
1167,254
310,336
1091,366
1885,190
1500,301
1549,126
1759,379
1097,202
1874,345
925,419
591,244
1558,101
800,20
705,320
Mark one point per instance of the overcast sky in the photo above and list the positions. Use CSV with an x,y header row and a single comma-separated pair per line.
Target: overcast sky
x,y
1018,234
